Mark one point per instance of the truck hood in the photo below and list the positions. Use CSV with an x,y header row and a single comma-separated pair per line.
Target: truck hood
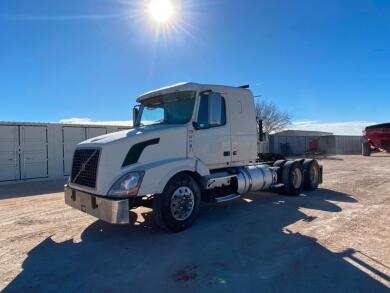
x,y
169,142
137,132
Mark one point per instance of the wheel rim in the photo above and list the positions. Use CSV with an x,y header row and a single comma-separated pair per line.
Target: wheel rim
x,y
182,203
297,178
313,173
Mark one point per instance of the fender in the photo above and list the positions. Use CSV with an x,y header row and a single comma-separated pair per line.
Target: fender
x,y
154,183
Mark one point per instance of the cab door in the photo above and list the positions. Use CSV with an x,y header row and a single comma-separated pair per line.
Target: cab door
x,y
211,135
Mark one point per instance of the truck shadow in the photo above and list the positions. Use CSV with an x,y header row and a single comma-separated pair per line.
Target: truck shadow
x,y
241,246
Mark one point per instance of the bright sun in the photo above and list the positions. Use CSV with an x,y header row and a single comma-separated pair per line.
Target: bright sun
x,y
161,10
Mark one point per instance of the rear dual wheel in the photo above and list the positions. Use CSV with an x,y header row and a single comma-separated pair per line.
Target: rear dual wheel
x,y
292,178
298,175
312,174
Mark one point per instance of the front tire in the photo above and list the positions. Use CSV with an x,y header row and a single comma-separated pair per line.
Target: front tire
x,y
177,207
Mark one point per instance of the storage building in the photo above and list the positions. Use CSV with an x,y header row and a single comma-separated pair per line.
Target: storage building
x,y
42,150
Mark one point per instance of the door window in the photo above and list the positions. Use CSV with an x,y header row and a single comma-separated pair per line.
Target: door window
x,y
212,111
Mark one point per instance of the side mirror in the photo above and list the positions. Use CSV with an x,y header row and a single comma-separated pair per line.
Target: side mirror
x,y
135,115
215,108
195,125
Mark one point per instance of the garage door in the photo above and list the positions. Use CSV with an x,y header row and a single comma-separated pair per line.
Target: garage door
x,y
33,155
71,137
9,153
95,131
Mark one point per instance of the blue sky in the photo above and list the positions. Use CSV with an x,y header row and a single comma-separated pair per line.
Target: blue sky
x,y
322,61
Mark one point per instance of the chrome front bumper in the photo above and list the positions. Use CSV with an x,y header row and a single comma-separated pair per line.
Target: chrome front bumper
x,y
108,210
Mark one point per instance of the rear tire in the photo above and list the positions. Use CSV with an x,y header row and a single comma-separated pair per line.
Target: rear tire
x,y
280,164
292,178
366,149
177,207
311,174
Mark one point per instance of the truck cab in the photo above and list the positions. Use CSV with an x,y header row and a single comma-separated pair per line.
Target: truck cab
x,y
220,121
189,143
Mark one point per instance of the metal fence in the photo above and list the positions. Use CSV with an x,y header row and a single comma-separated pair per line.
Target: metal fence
x,y
348,144
332,144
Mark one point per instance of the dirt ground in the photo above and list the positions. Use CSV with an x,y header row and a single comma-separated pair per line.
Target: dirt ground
x,y
334,239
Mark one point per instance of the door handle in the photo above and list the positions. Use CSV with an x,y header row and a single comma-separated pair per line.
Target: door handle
x,y
234,153
225,154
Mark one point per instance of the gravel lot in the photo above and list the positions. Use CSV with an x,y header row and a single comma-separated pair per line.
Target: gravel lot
x,y
334,239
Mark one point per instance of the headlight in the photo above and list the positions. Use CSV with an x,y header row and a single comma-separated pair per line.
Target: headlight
x,y
127,185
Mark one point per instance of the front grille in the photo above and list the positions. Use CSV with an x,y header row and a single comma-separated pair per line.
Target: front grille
x,y
84,168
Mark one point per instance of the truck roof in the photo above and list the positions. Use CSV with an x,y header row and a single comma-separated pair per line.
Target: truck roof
x,y
188,86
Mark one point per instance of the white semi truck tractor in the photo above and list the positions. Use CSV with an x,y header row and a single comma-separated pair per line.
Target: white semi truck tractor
x,y
190,143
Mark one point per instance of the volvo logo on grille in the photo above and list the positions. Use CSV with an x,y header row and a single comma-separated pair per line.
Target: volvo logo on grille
x,y
83,166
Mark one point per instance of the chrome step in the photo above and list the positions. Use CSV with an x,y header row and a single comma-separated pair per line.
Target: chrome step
x,y
227,197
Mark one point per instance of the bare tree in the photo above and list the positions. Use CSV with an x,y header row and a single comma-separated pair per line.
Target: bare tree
x,y
273,119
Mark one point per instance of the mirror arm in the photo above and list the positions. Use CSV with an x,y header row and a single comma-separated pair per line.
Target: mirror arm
x,y
195,125
135,114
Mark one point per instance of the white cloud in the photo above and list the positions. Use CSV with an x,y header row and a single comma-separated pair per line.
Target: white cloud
x,y
75,120
92,122
341,128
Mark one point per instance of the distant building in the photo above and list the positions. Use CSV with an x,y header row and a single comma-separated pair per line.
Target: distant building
x,y
292,132
31,150
297,142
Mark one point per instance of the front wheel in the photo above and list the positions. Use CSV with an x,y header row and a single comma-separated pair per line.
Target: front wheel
x,y
177,207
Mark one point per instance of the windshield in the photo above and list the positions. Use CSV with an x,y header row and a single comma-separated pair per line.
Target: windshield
x,y
173,108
